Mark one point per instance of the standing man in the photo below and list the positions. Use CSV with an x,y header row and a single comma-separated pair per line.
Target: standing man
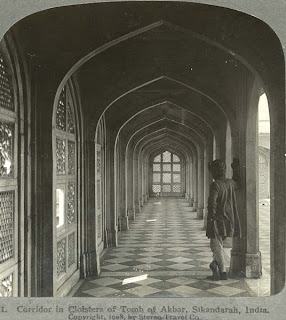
x,y
223,220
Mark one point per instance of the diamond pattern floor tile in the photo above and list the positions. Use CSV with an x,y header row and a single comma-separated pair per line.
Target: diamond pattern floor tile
x,y
173,255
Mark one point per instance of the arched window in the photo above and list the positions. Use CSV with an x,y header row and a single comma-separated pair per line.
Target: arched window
x,y
8,184
65,195
166,175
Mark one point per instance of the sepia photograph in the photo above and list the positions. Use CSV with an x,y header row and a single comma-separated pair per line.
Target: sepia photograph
x,y
142,160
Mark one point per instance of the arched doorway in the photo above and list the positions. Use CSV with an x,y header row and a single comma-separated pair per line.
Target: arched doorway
x,y
167,175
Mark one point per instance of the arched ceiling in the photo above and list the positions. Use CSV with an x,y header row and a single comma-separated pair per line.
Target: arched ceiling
x,y
130,56
60,37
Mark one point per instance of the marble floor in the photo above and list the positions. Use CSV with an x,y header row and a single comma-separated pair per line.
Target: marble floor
x,y
165,253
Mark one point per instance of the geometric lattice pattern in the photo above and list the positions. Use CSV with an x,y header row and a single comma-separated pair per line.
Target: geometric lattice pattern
x,y
6,225
166,156
61,257
167,243
98,161
156,167
71,249
6,98
61,156
6,287
166,174
176,188
177,167
6,149
166,177
156,188
71,157
61,112
70,119
71,203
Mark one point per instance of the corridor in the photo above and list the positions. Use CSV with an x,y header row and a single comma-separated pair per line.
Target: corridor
x,y
110,114
167,243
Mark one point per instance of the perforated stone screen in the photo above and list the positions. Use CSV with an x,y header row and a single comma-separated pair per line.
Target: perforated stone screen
x,y
166,174
6,287
61,156
6,226
71,249
156,188
6,149
71,203
61,257
6,97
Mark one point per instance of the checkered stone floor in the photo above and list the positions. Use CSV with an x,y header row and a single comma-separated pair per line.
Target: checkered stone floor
x,y
167,245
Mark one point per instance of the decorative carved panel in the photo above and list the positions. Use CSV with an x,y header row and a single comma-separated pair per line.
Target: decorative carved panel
x,y
6,287
6,149
98,161
71,203
71,157
6,226
71,249
61,112
6,97
70,119
61,156
61,257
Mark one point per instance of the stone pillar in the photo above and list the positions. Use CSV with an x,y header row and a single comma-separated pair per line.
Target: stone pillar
x,y
248,258
129,187
200,186
208,178
135,186
194,200
111,214
122,189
